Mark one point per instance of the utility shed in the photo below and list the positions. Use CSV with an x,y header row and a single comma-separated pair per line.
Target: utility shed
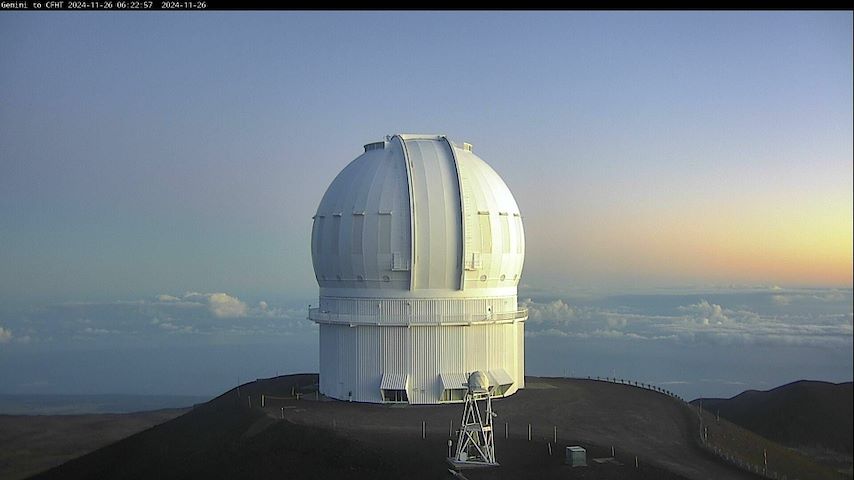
x,y
576,456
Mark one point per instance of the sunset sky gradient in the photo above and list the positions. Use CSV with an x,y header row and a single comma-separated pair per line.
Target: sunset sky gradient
x,y
143,153
176,153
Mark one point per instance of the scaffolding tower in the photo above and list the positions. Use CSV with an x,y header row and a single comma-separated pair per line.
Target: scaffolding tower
x,y
475,444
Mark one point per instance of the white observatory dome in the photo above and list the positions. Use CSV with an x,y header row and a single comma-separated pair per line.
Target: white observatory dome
x,y
447,222
418,232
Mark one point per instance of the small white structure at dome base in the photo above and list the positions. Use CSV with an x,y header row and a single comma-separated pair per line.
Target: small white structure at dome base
x,y
417,247
476,445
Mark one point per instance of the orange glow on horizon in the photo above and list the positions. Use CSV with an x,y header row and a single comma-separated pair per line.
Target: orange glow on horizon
x,y
810,245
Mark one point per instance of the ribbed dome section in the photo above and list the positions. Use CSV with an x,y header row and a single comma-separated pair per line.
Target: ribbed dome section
x,y
416,215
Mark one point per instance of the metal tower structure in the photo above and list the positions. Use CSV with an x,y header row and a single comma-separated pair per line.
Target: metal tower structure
x,y
475,445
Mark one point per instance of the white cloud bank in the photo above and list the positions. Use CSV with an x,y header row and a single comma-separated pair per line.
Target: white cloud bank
x,y
221,305
700,322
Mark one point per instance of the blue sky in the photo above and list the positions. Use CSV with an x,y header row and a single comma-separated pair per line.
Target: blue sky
x,y
144,155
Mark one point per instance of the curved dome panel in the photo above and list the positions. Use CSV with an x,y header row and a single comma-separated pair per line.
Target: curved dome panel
x,y
416,215
363,224
495,239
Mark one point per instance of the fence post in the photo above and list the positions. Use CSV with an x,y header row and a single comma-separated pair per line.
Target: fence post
x,y
765,461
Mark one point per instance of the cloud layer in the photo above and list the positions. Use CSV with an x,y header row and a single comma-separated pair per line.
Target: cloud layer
x,y
206,317
774,319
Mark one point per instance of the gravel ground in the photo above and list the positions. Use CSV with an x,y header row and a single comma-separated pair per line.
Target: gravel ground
x,y
651,426
32,443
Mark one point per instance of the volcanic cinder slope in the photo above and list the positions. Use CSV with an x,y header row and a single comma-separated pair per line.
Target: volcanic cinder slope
x,y
33,443
310,437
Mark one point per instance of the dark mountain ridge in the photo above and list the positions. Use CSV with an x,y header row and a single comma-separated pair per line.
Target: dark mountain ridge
x,y
805,413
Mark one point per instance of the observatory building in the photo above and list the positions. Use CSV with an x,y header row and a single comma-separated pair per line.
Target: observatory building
x,y
418,247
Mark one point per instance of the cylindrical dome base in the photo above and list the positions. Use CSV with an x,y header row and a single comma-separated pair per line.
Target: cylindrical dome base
x,y
423,364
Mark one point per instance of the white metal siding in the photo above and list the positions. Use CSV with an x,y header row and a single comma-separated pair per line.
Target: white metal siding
x,y
360,359
397,311
453,381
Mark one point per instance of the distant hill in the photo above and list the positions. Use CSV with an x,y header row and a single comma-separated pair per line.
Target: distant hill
x,y
36,404
800,414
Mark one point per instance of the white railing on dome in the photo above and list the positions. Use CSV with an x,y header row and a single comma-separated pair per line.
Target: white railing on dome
x,y
316,315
